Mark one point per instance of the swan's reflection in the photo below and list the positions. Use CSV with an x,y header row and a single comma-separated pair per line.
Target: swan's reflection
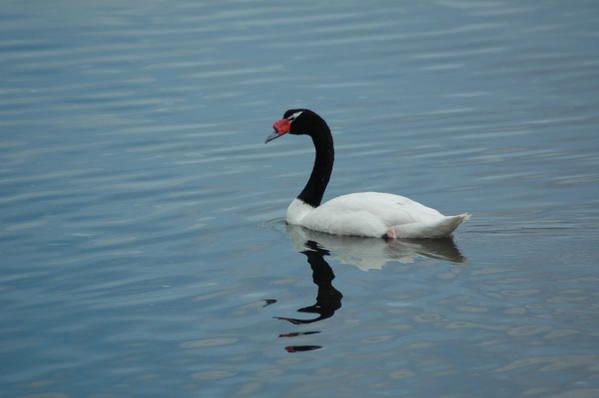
x,y
368,253
328,299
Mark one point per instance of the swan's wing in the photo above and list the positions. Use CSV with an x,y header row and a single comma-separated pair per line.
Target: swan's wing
x,y
390,209
367,214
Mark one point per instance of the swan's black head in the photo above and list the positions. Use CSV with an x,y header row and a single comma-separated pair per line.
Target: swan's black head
x,y
295,121
304,121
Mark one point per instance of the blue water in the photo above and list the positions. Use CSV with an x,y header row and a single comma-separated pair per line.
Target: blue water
x,y
143,248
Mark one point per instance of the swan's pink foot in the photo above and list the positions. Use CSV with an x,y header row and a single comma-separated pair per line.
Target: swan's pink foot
x,y
390,234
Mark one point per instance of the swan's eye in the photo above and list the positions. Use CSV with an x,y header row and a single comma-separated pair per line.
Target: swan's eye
x,y
294,116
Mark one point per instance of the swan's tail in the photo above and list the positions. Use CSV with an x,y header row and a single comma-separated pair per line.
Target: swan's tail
x,y
447,226
439,229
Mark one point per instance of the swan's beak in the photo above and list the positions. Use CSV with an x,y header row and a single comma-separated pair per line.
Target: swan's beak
x,y
275,134
281,127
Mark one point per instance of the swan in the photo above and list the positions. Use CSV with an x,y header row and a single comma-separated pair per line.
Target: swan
x,y
366,214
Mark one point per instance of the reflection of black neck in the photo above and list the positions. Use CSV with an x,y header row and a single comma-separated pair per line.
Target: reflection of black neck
x,y
323,164
328,299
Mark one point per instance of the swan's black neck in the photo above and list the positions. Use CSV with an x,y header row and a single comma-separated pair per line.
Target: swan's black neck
x,y
323,163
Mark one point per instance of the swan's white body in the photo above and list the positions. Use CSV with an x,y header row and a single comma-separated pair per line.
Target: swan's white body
x,y
374,214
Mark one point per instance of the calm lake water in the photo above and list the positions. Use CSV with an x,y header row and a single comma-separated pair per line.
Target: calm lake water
x,y
143,248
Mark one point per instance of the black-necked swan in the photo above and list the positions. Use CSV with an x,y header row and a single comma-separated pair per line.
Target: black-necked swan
x,y
368,214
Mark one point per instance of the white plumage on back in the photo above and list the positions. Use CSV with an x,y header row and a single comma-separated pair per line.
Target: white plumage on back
x,y
372,214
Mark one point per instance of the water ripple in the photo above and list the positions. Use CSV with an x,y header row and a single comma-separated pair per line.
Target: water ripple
x,y
142,217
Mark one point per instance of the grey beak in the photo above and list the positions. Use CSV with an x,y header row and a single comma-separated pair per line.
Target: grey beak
x,y
275,134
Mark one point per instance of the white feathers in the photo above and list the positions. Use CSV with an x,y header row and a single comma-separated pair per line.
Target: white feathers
x,y
294,116
372,214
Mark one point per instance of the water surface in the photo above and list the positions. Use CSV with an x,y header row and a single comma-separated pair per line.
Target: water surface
x,y
143,249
